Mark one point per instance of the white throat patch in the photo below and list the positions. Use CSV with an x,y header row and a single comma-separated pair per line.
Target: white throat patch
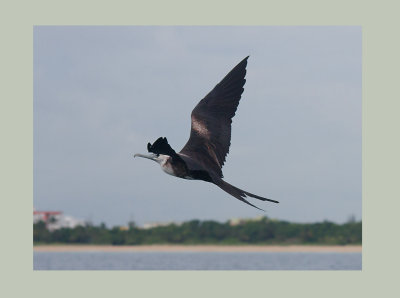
x,y
163,160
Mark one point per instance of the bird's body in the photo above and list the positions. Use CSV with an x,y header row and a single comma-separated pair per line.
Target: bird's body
x,y
203,156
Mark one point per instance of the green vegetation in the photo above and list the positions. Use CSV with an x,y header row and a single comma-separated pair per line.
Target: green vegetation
x,y
263,231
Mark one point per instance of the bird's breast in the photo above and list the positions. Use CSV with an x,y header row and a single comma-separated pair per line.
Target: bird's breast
x,y
175,167
168,168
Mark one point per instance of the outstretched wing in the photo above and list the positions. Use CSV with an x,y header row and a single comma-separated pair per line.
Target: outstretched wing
x,y
210,135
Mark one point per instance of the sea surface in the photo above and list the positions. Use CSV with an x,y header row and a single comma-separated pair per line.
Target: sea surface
x,y
196,261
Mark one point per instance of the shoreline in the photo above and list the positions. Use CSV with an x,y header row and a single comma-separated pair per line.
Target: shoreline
x,y
197,248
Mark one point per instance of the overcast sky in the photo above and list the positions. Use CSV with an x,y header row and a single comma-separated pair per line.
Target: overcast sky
x,y
102,93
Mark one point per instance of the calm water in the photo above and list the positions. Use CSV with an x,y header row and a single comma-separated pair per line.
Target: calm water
x,y
195,261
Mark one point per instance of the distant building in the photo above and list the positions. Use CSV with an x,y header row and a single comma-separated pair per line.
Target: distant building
x,y
159,224
46,216
56,220
240,221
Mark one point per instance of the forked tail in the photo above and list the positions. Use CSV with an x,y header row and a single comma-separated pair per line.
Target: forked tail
x,y
239,193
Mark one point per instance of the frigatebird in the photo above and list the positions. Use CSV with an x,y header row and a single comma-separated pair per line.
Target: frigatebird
x,y
203,156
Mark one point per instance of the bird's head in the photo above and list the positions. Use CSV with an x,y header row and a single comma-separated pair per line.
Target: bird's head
x,y
158,150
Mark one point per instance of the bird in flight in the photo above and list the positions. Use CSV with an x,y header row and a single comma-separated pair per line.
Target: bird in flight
x,y
203,156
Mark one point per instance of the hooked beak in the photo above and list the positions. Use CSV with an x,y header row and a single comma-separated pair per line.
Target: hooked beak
x,y
148,156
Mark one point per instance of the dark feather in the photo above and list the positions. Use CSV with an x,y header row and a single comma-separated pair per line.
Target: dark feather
x,y
161,146
210,135
239,193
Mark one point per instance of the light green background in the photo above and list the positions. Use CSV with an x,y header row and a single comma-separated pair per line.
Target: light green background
x,y
380,150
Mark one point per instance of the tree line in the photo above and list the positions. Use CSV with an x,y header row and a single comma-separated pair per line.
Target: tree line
x,y
264,231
